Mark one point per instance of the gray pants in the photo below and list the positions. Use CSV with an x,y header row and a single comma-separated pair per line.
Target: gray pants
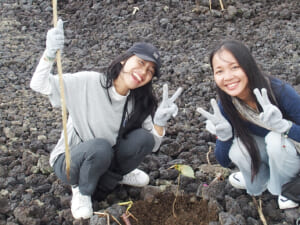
x,y
278,165
97,164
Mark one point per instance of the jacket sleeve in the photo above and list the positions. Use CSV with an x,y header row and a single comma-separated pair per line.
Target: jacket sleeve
x,y
223,147
148,125
289,103
40,81
222,152
46,83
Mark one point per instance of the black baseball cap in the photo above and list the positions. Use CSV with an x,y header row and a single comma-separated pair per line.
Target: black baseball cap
x,y
148,52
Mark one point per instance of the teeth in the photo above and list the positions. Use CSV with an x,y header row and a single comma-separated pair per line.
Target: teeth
x,y
137,77
232,85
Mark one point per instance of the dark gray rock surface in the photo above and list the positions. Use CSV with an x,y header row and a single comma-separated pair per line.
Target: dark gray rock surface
x,y
97,31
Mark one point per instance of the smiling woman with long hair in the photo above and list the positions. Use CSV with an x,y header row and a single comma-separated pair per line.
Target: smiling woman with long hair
x,y
114,120
257,123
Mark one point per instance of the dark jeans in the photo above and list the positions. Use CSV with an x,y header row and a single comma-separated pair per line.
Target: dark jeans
x,y
96,166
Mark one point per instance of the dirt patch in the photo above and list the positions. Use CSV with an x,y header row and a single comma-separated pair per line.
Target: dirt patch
x,y
188,209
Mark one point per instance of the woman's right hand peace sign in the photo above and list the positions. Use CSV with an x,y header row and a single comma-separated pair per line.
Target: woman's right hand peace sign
x,y
167,107
216,123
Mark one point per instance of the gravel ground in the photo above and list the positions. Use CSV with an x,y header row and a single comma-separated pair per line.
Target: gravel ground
x,y
97,31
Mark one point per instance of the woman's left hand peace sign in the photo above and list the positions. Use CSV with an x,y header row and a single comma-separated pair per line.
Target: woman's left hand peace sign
x,y
167,107
271,115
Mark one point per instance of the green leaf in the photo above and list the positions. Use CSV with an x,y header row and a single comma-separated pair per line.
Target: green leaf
x,y
185,170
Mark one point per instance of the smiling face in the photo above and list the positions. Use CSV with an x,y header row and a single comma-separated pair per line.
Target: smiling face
x,y
229,75
135,73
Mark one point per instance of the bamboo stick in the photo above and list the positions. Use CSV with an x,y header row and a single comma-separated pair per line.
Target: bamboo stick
x,y
63,102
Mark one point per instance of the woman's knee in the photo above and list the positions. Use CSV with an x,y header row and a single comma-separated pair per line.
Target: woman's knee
x,y
273,144
99,149
280,148
98,143
142,137
137,144
238,152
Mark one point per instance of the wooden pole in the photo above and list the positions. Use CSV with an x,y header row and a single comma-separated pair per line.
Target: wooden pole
x,y
62,95
222,6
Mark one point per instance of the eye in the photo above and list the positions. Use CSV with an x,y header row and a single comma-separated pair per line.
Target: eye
x,y
235,67
218,72
141,62
151,72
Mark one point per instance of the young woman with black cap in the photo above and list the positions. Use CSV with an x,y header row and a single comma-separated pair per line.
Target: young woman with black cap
x,y
110,126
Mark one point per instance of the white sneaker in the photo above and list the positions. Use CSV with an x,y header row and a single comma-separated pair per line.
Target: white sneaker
x,y
285,203
136,178
81,205
237,180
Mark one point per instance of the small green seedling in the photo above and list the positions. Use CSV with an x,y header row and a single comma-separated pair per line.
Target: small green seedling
x,y
184,170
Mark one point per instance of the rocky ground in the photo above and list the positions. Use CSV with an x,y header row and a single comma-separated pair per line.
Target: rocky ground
x,y
97,31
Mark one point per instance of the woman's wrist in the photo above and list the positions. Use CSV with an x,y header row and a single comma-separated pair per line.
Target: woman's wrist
x,y
159,129
286,133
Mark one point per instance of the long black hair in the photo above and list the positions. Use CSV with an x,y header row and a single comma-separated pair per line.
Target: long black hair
x,y
256,79
143,98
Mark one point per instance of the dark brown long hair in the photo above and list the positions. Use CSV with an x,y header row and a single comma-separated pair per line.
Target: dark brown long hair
x,y
256,79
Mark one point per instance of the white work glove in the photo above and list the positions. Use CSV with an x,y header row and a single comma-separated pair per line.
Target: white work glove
x,y
216,124
167,107
271,115
55,40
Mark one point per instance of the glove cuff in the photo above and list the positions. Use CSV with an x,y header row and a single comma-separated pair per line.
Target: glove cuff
x,y
288,127
50,55
160,123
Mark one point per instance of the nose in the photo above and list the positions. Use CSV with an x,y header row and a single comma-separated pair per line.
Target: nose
x,y
143,70
227,75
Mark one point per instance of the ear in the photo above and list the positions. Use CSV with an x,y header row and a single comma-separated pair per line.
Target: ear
x,y
122,62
